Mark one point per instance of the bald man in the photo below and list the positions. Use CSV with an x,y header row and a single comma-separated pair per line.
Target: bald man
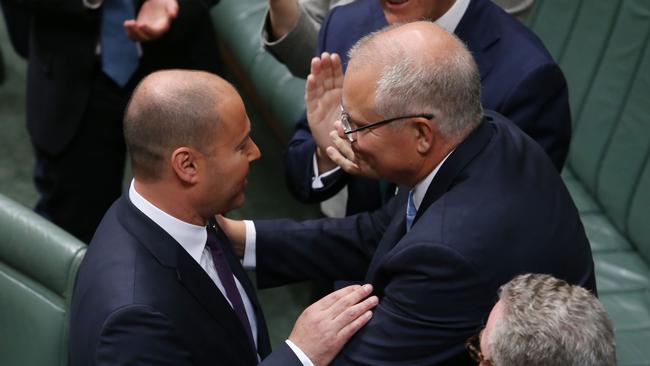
x,y
479,202
160,285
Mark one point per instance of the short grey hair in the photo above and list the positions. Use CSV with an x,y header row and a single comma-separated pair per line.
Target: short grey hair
x,y
547,321
448,85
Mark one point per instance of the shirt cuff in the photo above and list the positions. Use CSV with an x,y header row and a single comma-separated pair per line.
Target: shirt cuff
x,y
92,4
300,354
317,180
250,261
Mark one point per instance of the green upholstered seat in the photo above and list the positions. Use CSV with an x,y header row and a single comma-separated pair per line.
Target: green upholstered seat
x,y
602,47
38,266
238,25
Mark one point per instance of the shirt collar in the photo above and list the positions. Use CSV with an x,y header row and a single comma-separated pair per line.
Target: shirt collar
x,y
191,237
421,188
449,20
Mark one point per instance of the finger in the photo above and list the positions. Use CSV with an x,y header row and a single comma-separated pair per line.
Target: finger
x,y
328,74
311,100
327,301
338,159
351,313
343,146
351,298
151,32
337,69
352,328
132,31
316,72
172,9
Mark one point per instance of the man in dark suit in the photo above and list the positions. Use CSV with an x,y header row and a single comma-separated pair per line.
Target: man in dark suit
x,y
519,80
156,286
85,57
479,202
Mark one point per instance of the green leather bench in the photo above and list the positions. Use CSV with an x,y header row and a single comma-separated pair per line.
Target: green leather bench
x,y
602,46
38,267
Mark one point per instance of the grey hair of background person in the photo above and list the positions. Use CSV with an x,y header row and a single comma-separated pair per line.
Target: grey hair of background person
x,y
546,321
168,110
414,81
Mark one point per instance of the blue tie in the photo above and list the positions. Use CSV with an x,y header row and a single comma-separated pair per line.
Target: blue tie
x,y
411,211
119,54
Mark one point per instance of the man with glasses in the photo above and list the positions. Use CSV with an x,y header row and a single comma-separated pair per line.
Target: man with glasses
x,y
541,320
479,202
520,80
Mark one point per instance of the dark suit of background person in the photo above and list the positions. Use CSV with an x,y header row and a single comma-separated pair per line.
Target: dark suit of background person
x,y
74,111
496,208
520,80
138,278
17,21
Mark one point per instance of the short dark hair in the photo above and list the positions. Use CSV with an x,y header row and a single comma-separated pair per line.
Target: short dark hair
x,y
168,110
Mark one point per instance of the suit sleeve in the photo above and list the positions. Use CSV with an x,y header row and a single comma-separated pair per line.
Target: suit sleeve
x,y
434,301
539,105
140,335
282,356
324,249
297,47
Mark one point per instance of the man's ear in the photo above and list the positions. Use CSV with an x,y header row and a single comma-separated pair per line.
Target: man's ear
x,y
185,164
425,133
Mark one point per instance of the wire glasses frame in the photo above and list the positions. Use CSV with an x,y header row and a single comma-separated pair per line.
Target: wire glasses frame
x,y
351,133
473,346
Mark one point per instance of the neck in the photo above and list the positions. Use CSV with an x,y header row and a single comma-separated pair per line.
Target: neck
x,y
169,199
430,163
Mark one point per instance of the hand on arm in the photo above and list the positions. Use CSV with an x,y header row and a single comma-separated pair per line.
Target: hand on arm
x,y
322,99
284,15
153,20
325,326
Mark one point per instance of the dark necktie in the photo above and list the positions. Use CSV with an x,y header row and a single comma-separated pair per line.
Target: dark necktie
x,y
119,54
227,280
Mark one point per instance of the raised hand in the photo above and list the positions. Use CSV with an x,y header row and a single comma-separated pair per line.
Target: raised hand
x,y
325,326
323,98
154,19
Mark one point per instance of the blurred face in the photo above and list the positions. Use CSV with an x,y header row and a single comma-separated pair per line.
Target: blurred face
x,y
404,11
382,152
225,167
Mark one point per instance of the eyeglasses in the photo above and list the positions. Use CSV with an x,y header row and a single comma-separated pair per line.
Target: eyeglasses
x,y
351,133
473,346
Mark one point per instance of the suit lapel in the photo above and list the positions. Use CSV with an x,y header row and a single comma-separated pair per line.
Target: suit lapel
x,y
462,155
394,232
190,274
478,35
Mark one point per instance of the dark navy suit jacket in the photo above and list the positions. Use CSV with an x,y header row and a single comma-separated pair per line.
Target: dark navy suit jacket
x,y
141,299
520,80
496,208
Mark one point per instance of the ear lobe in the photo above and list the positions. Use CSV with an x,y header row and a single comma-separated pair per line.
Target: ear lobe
x,y
424,136
184,165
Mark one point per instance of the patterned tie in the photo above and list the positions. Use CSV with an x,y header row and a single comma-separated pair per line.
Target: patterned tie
x,y
227,279
119,54
411,211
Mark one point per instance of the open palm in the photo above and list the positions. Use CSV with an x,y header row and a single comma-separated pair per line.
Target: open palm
x,y
322,97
